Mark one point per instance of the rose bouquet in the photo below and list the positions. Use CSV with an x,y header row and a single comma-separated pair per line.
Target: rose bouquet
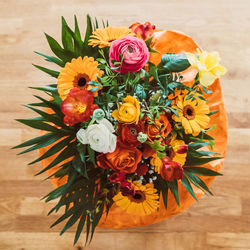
x,y
127,126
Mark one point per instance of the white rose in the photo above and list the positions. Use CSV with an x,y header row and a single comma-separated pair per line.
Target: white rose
x,y
100,137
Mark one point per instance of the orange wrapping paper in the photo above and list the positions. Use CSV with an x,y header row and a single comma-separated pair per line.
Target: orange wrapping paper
x,y
169,42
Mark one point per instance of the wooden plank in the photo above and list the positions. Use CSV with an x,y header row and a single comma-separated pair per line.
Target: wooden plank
x,y
228,240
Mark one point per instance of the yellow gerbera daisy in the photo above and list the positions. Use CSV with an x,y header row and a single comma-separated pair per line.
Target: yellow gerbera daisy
x,y
144,202
104,37
180,158
193,114
78,73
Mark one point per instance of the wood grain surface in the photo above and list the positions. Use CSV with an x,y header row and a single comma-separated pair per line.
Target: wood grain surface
x,y
218,222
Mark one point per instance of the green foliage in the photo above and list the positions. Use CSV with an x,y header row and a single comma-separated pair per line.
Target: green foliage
x,y
174,62
187,185
72,46
173,185
198,182
156,145
51,72
202,171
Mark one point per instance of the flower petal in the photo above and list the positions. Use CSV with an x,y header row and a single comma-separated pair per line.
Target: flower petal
x,y
206,78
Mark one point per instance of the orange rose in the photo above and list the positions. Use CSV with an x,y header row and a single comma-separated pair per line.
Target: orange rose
x,y
124,159
162,124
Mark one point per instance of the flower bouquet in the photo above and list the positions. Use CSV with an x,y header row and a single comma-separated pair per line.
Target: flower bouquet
x,y
128,133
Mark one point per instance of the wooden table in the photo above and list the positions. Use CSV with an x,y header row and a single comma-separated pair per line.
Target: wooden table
x,y
219,222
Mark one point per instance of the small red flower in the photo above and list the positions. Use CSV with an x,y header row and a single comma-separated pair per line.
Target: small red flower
x,y
182,149
78,106
142,169
171,170
129,132
126,188
117,177
143,31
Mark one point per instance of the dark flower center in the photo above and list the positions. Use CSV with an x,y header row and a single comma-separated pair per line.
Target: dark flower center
x,y
133,131
137,197
189,112
82,81
130,49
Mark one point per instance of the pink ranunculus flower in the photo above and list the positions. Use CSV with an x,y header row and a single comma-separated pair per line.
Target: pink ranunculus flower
x,y
135,54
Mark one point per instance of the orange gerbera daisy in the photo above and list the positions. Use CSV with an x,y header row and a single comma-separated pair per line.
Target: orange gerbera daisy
x,y
78,73
104,37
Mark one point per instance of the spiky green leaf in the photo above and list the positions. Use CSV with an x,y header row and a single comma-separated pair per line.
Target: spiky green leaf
x,y
173,185
188,186
54,149
202,171
51,72
52,59
66,36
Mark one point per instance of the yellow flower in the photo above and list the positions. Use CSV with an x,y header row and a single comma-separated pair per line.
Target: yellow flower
x,y
145,201
129,111
78,73
104,37
208,66
177,157
193,114
157,163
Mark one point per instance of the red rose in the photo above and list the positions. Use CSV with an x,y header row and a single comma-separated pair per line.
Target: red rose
x,y
124,159
171,170
129,132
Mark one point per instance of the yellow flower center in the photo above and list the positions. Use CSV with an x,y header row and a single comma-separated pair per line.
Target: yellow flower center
x,y
82,108
189,112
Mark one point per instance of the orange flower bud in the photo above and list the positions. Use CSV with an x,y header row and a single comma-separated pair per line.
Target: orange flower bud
x,y
143,31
